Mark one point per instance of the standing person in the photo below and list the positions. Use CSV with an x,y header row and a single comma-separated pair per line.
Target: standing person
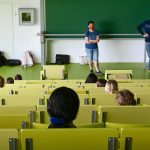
x,y
144,29
91,47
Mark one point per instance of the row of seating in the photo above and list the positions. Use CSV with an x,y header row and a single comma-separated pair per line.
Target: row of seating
x,y
75,139
16,89
101,99
108,116
115,116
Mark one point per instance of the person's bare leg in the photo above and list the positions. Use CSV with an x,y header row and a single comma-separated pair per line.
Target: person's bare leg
x,y
91,65
96,64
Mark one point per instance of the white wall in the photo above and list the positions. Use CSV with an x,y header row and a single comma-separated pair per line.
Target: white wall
x,y
25,37
110,50
6,29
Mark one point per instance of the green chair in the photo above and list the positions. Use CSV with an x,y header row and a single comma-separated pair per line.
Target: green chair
x,y
135,139
96,90
9,139
22,116
15,121
84,99
91,125
53,72
119,75
138,115
143,98
103,99
87,114
69,139
39,125
138,90
22,100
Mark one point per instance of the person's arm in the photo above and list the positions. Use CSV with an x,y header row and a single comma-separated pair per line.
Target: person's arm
x,y
87,41
87,38
95,41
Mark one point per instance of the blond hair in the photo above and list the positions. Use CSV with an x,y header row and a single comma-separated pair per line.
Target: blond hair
x,y
111,86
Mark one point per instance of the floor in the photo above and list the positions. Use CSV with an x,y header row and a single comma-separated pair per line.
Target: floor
x,y
75,71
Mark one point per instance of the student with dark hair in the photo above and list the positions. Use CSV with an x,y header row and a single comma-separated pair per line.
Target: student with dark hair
x,y
111,86
18,77
2,82
101,82
62,107
9,80
91,78
91,47
125,97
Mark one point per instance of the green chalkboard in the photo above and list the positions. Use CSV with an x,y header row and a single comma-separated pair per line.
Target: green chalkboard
x,y
110,16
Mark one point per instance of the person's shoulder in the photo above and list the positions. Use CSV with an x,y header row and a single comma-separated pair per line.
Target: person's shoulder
x,y
87,33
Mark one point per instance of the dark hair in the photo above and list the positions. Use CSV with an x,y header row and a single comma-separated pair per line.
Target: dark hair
x,y
125,97
91,78
111,86
18,77
91,22
10,80
2,81
63,104
101,82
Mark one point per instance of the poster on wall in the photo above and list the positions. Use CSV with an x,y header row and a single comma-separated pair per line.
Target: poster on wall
x,y
26,16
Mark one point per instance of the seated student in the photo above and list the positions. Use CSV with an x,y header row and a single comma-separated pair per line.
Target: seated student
x,y
9,80
18,77
62,107
101,82
2,82
111,86
91,78
125,97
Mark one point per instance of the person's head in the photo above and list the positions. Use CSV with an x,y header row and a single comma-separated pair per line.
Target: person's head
x,y
111,86
2,82
91,25
63,106
10,80
18,77
91,78
125,97
101,82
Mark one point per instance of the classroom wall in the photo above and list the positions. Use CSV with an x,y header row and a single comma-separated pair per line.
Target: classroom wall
x,y
110,50
24,37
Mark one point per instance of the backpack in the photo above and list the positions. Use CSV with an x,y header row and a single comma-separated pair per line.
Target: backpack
x,y
27,59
